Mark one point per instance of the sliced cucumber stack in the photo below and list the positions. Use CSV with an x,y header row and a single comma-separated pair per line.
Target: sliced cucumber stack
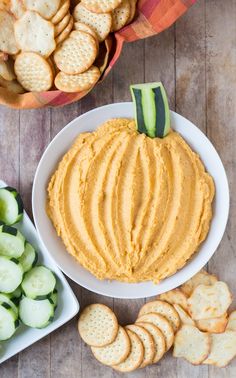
x,y
8,321
11,274
29,258
12,242
38,283
11,206
35,313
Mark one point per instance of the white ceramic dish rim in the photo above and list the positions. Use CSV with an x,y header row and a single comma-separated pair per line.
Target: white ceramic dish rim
x,y
26,336
117,289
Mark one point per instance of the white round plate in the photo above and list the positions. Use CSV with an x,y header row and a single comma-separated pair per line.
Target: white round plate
x,y
59,146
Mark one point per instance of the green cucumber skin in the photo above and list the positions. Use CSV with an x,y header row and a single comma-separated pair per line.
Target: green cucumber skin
x,y
9,230
137,98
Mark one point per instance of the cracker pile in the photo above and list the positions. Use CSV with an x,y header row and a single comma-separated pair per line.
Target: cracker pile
x,y
193,318
48,44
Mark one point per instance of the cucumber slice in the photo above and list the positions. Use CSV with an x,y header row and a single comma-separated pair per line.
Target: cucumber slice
x,y
29,258
8,322
12,242
36,314
15,294
54,298
11,274
5,299
38,283
11,206
151,109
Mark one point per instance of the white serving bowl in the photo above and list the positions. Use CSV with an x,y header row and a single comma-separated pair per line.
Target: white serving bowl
x,y
59,146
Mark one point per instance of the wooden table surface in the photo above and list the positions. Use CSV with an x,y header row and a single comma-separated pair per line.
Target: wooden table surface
x,y
196,60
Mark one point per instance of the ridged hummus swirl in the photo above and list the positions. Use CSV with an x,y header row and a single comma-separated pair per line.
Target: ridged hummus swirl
x,y
128,207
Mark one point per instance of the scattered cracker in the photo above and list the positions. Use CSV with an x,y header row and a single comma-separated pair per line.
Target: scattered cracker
x,y
175,296
215,325
232,321
209,301
192,344
79,82
135,358
163,308
75,56
162,323
17,8
223,349
184,316
159,340
116,352
64,34
7,70
101,6
35,34
12,86
202,277
64,7
7,37
33,72
101,23
98,325
46,8
148,343
62,24
120,15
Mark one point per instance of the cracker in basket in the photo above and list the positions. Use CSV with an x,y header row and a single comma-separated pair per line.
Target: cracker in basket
x,y
148,343
7,70
98,325
163,308
116,352
17,8
120,15
79,82
209,301
202,277
232,321
101,6
75,56
12,86
223,349
62,24
46,8
101,23
162,323
64,7
159,340
192,344
33,72
80,26
64,34
7,37
184,316
35,34
215,325
175,296
135,358
133,4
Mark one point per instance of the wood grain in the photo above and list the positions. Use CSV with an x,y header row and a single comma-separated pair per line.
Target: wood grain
x,y
196,60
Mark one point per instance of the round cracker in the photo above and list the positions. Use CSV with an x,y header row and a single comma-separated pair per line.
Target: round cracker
x,y
202,277
101,23
215,325
98,325
33,72
101,6
209,301
148,343
7,69
64,7
35,34
184,316
232,321
120,15
46,8
175,296
135,358
159,340
192,344
223,349
64,34
163,308
162,323
76,55
79,82
116,352
80,26
62,24
7,38
17,8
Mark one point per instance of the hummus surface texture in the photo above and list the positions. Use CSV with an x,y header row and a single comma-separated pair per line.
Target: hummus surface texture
x,y
128,207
